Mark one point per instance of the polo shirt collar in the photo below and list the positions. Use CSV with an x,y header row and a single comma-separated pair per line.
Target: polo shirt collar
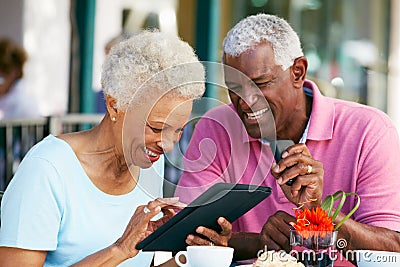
x,y
245,137
322,115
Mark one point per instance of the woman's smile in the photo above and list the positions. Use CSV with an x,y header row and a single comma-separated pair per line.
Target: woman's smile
x,y
151,155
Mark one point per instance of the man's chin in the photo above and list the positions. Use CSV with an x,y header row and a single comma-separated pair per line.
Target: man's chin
x,y
256,129
255,133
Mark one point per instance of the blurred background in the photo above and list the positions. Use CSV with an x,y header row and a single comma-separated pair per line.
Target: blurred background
x,y
353,47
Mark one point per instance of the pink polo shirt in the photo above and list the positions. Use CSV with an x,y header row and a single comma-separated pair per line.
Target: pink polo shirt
x,y
358,146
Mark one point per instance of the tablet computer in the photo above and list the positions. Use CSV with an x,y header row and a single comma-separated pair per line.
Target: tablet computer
x,y
221,200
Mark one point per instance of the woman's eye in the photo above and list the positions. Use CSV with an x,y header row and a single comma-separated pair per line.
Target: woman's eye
x,y
180,130
154,129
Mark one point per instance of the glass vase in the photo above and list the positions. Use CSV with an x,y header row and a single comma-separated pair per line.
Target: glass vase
x,y
314,248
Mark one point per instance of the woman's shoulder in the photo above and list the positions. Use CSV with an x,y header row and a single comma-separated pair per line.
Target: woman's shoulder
x,y
51,153
40,170
49,147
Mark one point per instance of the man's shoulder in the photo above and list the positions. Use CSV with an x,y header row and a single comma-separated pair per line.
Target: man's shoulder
x,y
357,112
220,122
224,116
221,111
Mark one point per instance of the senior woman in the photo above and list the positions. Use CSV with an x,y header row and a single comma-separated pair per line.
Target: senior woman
x,y
72,198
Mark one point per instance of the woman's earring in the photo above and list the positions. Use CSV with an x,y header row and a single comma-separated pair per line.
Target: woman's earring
x,y
114,119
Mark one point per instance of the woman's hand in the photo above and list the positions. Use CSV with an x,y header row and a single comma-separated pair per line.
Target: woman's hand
x,y
210,237
168,211
140,224
297,162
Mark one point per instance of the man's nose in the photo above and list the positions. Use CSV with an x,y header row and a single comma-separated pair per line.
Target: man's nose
x,y
249,96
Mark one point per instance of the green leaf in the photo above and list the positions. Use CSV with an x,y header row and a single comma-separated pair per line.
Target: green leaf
x,y
351,212
330,200
327,204
339,207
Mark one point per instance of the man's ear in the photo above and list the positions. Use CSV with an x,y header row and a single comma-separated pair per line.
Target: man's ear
x,y
299,71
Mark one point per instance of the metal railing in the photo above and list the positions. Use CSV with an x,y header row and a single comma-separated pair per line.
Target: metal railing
x,y
17,136
73,122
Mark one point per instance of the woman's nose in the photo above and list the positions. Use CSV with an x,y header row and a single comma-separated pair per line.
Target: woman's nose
x,y
167,144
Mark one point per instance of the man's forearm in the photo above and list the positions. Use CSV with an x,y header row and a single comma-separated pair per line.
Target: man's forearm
x,y
361,236
246,245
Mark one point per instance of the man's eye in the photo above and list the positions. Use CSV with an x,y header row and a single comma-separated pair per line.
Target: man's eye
x,y
260,85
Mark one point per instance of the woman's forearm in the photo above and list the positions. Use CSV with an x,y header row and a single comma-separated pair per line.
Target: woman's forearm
x,y
108,257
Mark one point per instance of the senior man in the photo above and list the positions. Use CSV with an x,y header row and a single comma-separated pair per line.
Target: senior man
x,y
340,145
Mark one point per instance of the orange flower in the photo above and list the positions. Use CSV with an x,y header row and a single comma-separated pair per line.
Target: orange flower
x,y
311,222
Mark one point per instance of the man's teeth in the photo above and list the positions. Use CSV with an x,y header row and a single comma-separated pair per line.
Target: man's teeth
x,y
150,153
256,115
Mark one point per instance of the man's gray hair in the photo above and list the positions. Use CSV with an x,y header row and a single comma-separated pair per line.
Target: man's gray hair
x,y
256,29
149,65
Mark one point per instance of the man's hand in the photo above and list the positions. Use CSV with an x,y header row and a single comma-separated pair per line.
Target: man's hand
x,y
209,237
297,162
275,232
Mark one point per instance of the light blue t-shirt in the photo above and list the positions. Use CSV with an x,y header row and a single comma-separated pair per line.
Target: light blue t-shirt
x,y
51,204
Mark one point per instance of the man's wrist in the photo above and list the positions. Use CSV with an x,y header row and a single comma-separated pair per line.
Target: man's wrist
x,y
246,245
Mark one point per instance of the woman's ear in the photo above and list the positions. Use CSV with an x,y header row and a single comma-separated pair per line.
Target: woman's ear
x,y
299,71
111,104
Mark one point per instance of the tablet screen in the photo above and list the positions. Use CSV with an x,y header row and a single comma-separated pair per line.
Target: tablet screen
x,y
221,200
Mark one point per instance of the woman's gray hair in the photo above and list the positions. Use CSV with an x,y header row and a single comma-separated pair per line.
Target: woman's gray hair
x,y
151,64
256,29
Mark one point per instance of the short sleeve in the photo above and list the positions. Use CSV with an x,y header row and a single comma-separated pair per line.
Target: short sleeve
x,y
378,181
32,207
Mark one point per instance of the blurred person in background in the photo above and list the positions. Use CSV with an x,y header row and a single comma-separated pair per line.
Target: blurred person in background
x,y
15,100
122,36
88,198
100,97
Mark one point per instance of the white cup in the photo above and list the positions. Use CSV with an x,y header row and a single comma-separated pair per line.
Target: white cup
x,y
373,258
206,256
